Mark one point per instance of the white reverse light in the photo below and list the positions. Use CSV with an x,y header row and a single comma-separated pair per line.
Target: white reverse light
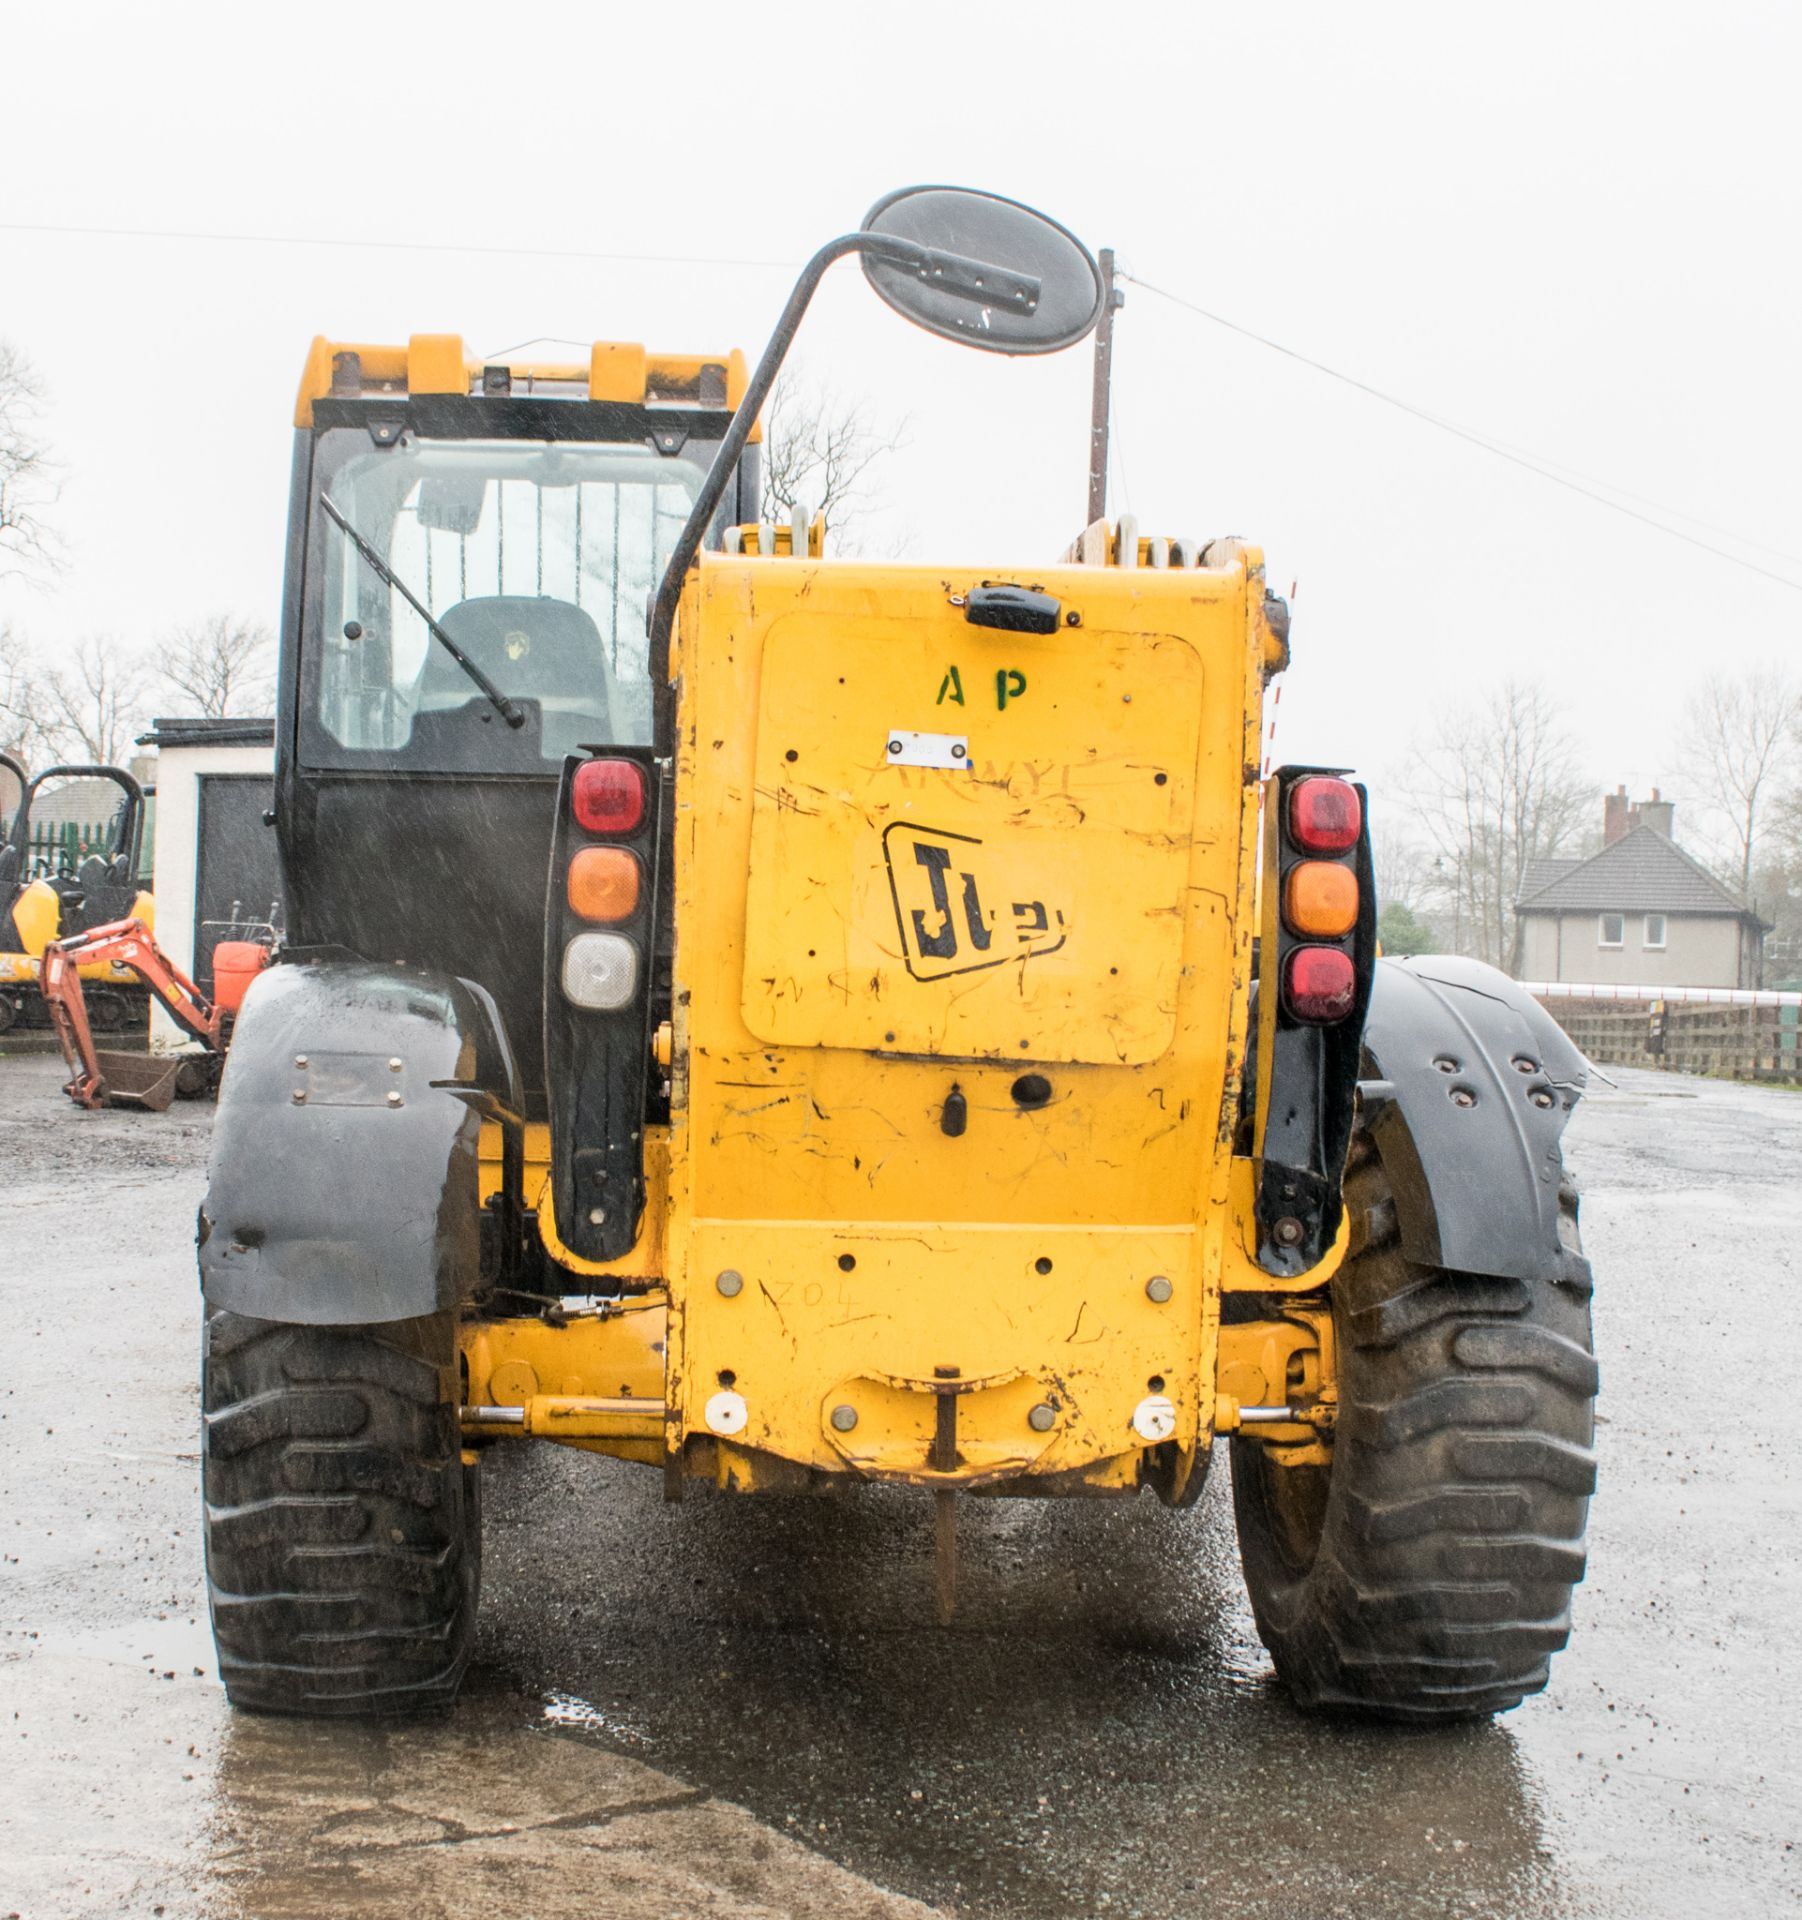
x,y
1154,1419
600,970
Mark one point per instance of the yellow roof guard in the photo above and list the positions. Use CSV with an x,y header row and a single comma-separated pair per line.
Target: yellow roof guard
x,y
437,363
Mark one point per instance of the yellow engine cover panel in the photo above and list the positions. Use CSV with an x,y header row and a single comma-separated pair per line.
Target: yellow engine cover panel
x,y
957,1033
1024,899
37,914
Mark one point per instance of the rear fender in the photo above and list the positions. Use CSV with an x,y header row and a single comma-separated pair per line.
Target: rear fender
x,y
1468,1083
342,1188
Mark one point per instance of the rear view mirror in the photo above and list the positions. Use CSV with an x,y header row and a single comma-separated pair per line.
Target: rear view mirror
x,y
452,503
983,228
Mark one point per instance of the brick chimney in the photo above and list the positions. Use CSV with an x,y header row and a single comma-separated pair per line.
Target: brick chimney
x,y
1616,816
1656,814
1621,815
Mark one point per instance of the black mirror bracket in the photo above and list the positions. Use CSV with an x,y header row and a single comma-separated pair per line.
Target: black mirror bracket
x,y
968,279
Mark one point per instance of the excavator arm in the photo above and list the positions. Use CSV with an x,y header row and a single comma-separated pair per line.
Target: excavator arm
x,y
125,1079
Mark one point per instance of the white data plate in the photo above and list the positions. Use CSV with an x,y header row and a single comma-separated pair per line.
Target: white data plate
x,y
928,750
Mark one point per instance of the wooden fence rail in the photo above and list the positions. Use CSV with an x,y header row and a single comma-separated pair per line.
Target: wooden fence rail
x,y
1735,1043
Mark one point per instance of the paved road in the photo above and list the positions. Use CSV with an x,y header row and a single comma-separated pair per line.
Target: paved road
x,y
742,1709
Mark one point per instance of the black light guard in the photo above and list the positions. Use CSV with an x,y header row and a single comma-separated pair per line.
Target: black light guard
x,y
597,1064
1306,1076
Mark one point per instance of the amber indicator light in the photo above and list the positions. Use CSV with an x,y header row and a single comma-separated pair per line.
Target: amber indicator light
x,y
603,883
1320,899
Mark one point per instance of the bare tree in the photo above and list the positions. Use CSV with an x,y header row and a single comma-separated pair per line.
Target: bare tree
x,y
1742,736
22,726
220,665
819,453
1409,890
1403,861
1499,788
1786,821
27,479
93,705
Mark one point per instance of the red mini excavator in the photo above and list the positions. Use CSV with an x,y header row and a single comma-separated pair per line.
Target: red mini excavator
x,y
143,1080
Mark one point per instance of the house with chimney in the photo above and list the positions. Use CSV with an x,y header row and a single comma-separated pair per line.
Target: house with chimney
x,y
1641,912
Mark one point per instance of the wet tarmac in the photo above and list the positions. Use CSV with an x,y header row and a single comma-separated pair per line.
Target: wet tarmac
x,y
743,1708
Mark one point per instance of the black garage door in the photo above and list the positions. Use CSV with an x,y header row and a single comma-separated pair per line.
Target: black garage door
x,y
239,878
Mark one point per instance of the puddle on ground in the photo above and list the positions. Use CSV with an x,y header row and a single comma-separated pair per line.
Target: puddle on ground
x,y
172,1648
572,1711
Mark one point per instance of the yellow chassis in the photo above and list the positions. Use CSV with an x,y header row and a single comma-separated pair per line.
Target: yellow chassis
x,y
529,1379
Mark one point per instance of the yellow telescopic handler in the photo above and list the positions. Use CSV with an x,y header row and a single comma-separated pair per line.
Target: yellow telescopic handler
x,y
859,1023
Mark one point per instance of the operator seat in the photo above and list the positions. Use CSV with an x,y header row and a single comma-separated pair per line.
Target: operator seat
x,y
532,648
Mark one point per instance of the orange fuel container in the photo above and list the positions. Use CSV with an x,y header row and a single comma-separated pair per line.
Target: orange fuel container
x,y
235,964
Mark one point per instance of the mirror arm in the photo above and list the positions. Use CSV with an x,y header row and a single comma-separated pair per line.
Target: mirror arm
x,y
905,253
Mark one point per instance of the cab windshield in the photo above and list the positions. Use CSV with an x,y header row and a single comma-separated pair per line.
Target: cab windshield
x,y
538,558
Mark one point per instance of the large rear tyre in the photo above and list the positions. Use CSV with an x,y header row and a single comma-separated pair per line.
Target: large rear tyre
x,y
1426,1574
343,1530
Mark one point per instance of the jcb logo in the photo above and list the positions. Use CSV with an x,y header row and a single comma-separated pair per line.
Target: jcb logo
x,y
954,909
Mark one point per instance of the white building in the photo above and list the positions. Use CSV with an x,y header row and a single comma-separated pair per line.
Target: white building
x,y
1641,912
215,851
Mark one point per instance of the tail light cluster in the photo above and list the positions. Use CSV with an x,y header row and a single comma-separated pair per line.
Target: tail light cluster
x,y
1317,966
604,885
1315,973
1323,870
599,943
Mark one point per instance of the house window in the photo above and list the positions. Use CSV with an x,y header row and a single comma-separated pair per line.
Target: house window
x,y
1612,931
1654,930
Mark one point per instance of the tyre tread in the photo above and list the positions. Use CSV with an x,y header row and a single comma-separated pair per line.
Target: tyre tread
x,y
341,1526
1440,1583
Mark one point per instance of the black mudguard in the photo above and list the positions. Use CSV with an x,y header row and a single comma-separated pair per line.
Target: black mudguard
x,y
342,1189
1468,1085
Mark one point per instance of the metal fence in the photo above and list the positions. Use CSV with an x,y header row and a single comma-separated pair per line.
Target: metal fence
x,y
60,846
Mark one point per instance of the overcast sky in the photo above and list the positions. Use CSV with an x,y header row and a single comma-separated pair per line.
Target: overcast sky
x,y
1570,228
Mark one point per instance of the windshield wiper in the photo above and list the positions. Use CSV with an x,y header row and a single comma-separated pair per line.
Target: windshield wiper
x,y
508,711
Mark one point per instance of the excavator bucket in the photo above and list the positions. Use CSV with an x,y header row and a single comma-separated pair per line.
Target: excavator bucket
x,y
144,1080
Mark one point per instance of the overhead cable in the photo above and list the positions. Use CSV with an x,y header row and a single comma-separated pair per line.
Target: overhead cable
x,y
1545,470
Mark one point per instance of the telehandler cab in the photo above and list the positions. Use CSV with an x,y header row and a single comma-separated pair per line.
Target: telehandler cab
x,y
859,1023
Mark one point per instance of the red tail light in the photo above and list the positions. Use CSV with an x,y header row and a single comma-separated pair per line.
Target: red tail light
x,y
1319,985
607,796
1324,815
